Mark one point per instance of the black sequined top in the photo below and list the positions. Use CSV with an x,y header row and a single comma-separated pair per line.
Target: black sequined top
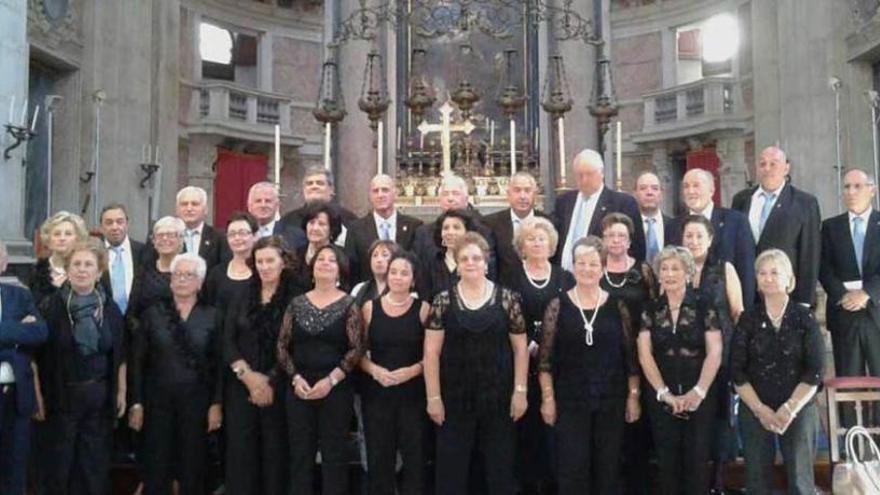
x,y
313,341
774,361
476,362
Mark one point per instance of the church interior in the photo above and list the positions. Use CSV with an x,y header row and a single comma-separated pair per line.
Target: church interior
x,y
129,101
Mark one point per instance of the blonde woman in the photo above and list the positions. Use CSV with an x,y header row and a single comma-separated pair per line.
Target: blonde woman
x,y
58,234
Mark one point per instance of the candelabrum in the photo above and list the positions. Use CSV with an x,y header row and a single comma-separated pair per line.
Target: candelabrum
x,y
419,98
20,134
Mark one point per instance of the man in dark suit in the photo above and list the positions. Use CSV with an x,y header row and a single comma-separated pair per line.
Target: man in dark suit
x,y
384,222
453,195
521,192
199,237
317,185
656,226
732,241
579,213
263,204
786,218
850,274
21,331
123,255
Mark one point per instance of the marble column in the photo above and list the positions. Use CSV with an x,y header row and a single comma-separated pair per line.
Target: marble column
x,y
13,83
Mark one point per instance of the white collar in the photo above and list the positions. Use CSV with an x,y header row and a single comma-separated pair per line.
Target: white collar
x,y
595,195
125,244
865,215
514,218
379,219
760,190
707,212
200,229
658,217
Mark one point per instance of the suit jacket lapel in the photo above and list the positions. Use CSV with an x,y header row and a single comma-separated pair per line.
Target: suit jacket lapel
x,y
205,241
872,238
775,215
505,235
599,212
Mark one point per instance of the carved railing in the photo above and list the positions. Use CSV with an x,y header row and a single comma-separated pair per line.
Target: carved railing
x,y
224,108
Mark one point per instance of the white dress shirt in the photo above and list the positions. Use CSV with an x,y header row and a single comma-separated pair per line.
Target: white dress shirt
x,y
392,225
589,203
196,238
658,228
127,260
757,206
516,221
865,215
266,230
707,212
7,376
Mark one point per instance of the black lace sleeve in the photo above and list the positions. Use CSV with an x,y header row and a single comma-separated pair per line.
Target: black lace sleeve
x,y
647,319
649,280
510,300
739,349
628,342
548,331
354,328
285,359
436,320
710,319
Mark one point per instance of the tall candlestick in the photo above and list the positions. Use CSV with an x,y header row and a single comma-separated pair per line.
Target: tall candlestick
x,y
398,139
277,155
12,110
512,146
34,121
562,158
492,133
379,148
619,158
327,132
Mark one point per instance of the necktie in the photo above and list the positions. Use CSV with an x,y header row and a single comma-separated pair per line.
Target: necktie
x,y
117,280
190,236
858,236
385,231
580,226
765,210
653,245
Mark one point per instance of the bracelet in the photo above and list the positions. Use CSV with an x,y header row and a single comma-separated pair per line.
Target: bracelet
x,y
135,407
790,410
434,398
549,398
293,382
333,381
699,391
634,392
520,389
660,393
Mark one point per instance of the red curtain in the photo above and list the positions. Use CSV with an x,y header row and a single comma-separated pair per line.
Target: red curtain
x,y
236,173
709,161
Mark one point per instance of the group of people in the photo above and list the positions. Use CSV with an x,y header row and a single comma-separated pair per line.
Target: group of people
x,y
565,349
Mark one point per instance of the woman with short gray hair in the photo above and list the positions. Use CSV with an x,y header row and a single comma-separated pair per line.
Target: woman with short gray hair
x,y
679,347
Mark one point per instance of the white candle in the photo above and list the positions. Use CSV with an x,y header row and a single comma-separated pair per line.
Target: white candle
x,y
421,142
277,155
24,113
12,109
619,156
379,148
398,138
34,121
327,132
562,163
512,146
492,133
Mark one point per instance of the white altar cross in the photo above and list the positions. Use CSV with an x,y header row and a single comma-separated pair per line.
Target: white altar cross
x,y
446,128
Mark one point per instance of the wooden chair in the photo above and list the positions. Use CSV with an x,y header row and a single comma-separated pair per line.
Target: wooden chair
x,y
845,390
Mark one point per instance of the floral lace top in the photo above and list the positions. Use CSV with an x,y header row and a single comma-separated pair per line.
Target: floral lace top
x,y
315,340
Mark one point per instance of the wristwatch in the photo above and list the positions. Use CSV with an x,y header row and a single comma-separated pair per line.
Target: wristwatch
x,y
660,393
239,371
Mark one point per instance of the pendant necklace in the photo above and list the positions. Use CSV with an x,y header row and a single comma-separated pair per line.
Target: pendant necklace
x,y
588,324
533,281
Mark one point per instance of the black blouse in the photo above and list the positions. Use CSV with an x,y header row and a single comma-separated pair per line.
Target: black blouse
x,y
634,286
152,287
168,351
40,283
679,348
534,300
221,291
476,362
314,341
774,361
583,374
435,277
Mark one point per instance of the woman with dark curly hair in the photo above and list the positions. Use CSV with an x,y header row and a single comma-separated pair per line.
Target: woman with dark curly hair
x,y
175,389
320,344
322,225
256,427
440,271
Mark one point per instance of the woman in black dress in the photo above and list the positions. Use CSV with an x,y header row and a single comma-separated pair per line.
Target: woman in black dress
x,y
322,224
538,282
680,351
78,368
394,415
228,283
718,282
440,272
380,253
476,371
589,376
175,388
256,426
634,283
320,344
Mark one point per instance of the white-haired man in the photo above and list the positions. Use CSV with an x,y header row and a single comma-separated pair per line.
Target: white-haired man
x,y
579,213
263,203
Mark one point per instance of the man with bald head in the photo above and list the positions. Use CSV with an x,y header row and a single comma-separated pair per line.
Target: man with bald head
x,y
786,218
732,240
384,222
655,224
850,274
579,213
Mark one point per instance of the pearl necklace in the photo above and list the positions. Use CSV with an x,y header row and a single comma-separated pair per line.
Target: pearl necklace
x,y
533,282
588,324
612,284
392,302
777,320
487,291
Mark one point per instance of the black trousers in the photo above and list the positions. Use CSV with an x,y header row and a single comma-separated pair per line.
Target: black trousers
x,y
533,467
256,442
319,424
682,447
75,448
392,424
176,439
14,442
636,451
588,448
495,437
